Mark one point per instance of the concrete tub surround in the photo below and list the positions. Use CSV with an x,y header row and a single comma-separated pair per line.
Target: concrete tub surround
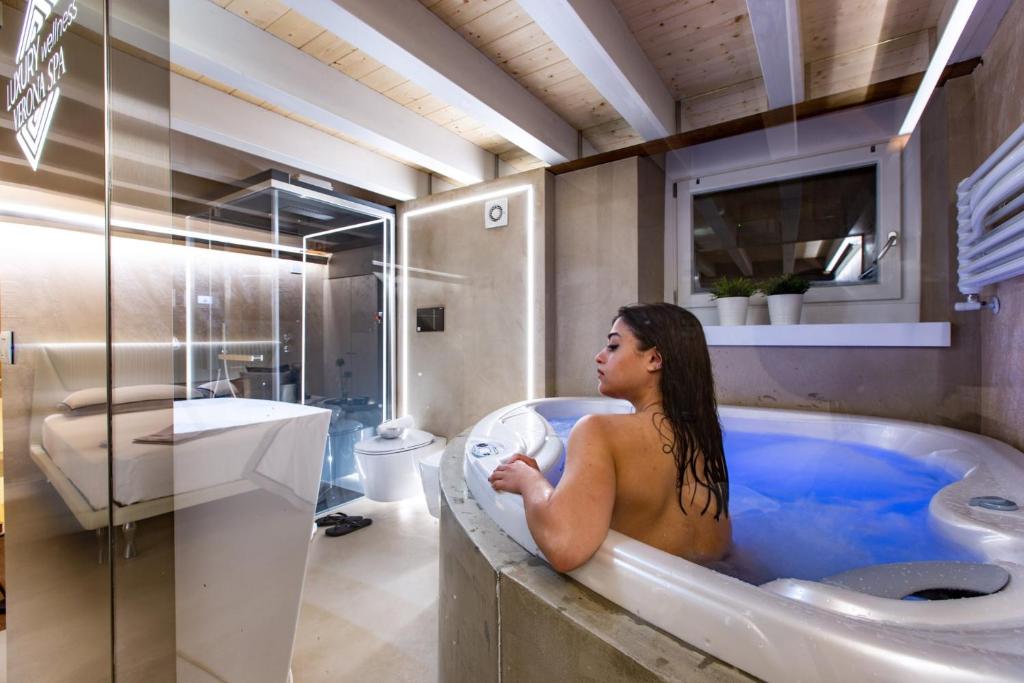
x,y
506,615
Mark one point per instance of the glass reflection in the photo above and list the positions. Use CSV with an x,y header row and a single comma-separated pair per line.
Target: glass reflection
x,y
52,295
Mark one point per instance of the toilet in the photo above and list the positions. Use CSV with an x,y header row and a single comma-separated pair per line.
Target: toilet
x,y
388,462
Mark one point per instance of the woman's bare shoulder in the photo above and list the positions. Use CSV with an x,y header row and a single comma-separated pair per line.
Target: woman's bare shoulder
x,y
599,421
592,430
603,427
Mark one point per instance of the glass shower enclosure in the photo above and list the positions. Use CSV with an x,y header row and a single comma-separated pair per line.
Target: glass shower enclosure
x,y
324,334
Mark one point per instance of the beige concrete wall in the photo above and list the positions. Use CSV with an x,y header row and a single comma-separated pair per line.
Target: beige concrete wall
x,y
609,249
998,92
938,386
905,384
608,252
651,229
479,362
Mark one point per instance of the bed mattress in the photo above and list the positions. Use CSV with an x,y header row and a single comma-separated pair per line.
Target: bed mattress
x,y
191,446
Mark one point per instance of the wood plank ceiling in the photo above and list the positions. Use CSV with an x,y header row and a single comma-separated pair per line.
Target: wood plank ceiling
x,y
703,50
278,19
507,35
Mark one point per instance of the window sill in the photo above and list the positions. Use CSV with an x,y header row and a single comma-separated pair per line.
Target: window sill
x,y
854,334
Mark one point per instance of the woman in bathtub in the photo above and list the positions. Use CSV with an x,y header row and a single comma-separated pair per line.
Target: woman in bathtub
x,y
657,475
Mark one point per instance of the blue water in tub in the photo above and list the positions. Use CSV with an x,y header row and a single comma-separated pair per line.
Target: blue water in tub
x,y
809,508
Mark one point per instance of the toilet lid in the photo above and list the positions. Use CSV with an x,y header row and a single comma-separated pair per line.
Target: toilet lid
x,y
409,440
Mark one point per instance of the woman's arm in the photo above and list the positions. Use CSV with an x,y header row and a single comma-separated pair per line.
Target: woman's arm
x,y
569,522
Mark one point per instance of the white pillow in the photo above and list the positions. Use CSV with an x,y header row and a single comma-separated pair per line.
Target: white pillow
x,y
95,398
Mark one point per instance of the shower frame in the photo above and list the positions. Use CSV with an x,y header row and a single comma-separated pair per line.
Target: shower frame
x,y
375,214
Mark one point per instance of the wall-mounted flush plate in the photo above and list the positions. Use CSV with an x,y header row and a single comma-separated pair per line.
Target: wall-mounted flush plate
x,y
204,300
6,347
430,319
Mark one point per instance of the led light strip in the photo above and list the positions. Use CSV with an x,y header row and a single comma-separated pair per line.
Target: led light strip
x,y
530,269
143,345
96,222
204,237
425,271
943,51
188,322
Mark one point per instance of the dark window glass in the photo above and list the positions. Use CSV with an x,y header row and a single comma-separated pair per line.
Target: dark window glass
x,y
822,227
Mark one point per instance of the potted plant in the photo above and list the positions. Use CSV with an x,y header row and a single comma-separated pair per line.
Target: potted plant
x,y
785,298
732,295
757,310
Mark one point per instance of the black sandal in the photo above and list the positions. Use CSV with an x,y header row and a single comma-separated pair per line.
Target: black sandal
x,y
348,526
335,518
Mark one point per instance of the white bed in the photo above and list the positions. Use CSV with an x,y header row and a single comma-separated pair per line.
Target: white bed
x,y
216,441
221,447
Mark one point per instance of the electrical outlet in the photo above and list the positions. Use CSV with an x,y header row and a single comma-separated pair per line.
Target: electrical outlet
x,y
6,347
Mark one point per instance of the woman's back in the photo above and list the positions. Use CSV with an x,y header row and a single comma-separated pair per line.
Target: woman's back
x,y
635,473
647,501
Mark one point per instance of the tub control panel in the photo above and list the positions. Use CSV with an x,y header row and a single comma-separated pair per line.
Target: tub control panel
x,y
484,449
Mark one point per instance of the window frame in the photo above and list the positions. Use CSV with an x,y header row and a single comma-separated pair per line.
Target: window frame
x,y
889,189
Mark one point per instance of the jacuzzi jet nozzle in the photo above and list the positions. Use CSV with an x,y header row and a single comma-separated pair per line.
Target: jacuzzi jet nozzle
x,y
994,503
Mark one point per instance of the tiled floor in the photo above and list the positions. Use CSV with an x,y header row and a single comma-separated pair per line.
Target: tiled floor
x,y
369,608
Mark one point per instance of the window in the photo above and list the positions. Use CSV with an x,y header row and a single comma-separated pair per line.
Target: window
x,y
825,217
820,226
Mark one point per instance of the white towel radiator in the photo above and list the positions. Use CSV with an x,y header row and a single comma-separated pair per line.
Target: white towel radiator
x,y
990,223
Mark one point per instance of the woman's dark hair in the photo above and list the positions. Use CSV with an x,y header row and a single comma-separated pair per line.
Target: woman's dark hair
x,y
688,396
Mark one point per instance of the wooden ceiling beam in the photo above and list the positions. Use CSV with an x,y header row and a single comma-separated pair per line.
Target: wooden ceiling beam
x,y
410,39
229,121
599,43
896,87
265,67
776,27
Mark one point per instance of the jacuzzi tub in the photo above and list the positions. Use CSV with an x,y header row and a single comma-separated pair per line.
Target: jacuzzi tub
x,y
792,629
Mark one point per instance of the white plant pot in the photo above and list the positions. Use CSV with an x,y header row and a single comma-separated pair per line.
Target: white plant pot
x,y
784,309
732,310
757,311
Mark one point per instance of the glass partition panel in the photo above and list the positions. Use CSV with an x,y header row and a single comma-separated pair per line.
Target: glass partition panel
x,y
144,267
52,298
216,462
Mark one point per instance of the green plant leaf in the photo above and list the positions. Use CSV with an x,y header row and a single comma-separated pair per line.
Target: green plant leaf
x,y
727,287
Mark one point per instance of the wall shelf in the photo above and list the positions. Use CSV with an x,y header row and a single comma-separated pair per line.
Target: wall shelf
x,y
859,334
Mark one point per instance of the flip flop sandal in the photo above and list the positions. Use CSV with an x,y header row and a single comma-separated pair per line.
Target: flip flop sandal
x,y
335,518
348,526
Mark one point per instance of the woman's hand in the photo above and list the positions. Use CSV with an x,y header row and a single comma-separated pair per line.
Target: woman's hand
x,y
516,475
519,457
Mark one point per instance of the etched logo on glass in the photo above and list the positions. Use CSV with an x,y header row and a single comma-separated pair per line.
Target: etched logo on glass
x,y
33,91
